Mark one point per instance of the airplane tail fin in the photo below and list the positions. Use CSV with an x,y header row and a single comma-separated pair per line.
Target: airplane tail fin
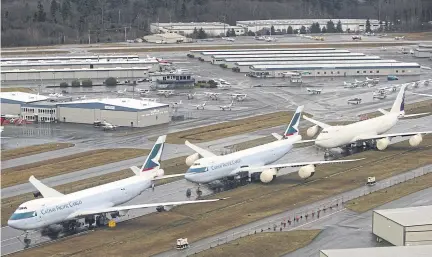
x,y
153,159
293,127
399,103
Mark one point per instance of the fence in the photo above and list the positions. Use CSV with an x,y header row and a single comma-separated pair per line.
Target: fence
x,y
295,219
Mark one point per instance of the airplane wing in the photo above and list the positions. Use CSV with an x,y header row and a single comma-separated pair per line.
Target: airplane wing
x,y
421,94
43,189
285,165
83,213
199,150
320,124
403,134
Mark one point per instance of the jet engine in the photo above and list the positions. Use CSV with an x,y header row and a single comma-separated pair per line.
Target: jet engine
x,y
160,172
268,175
312,131
192,158
307,171
415,140
382,143
54,228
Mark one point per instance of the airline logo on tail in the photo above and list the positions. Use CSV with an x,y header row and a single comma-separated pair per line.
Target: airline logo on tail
x,y
153,158
293,127
402,106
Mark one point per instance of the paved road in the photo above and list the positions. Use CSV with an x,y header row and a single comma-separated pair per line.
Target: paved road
x,y
267,222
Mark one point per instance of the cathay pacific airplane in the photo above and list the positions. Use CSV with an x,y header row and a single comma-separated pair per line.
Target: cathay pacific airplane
x,y
206,167
367,131
57,212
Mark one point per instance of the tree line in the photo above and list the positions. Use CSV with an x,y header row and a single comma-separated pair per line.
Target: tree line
x,y
45,22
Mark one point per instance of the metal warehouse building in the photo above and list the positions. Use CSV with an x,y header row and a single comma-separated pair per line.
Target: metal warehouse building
x,y
11,102
43,65
187,28
69,58
423,51
209,58
404,226
395,251
230,62
282,25
119,111
326,70
245,66
257,50
70,74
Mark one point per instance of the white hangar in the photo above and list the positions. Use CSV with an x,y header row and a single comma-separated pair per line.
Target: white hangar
x,y
404,226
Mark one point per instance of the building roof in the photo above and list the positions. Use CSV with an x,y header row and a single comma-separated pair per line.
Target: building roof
x,y
276,52
164,36
80,69
336,66
223,56
21,97
319,58
259,50
302,22
80,62
79,57
399,251
412,216
301,62
115,104
191,24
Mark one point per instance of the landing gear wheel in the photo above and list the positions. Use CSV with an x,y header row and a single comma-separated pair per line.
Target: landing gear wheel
x,y
188,193
27,242
199,192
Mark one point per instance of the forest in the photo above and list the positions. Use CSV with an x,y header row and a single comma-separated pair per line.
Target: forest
x,y
47,22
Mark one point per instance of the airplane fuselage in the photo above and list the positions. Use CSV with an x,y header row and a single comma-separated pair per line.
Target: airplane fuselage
x,y
344,135
55,210
209,169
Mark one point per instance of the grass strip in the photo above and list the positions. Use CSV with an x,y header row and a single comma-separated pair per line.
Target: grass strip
x,y
31,150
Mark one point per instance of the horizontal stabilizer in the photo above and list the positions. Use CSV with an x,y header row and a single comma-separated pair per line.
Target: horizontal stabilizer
x,y
169,176
305,141
135,170
277,136
204,153
415,115
43,189
320,124
383,111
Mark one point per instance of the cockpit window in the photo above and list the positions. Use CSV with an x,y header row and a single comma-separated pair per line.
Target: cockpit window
x,y
23,215
196,164
22,208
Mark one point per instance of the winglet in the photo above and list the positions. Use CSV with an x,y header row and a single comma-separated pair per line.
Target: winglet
x,y
43,189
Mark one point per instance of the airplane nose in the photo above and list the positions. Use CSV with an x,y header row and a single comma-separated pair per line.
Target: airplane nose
x,y
14,224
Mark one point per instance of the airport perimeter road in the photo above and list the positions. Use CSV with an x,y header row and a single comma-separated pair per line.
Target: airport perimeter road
x,y
348,229
270,221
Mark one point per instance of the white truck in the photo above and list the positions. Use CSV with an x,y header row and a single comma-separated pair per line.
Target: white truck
x,y
182,243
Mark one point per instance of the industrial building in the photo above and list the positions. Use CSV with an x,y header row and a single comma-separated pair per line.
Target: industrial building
x,y
281,26
244,67
423,51
118,111
404,226
67,75
69,58
187,28
395,251
209,58
230,62
80,64
258,50
333,70
167,38
210,53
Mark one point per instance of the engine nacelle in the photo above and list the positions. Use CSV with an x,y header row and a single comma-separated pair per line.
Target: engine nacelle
x,y
268,175
382,143
415,140
192,158
312,131
160,173
54,228
306,171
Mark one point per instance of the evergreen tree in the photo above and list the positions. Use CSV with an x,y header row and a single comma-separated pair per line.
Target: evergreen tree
x,y
41,14
272,30
315,28
195,33
303,30
233,34
65,9
368,26
339,27
289,30
183,9
54,8
331,27
228,33
202,34
324,30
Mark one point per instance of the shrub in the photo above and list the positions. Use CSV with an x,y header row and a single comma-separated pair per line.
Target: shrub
x,y
223,65
87,83
76,83
111,82
64,84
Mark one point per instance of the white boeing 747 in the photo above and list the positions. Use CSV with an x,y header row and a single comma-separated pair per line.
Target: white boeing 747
x,y
57,212
252,163
369,131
